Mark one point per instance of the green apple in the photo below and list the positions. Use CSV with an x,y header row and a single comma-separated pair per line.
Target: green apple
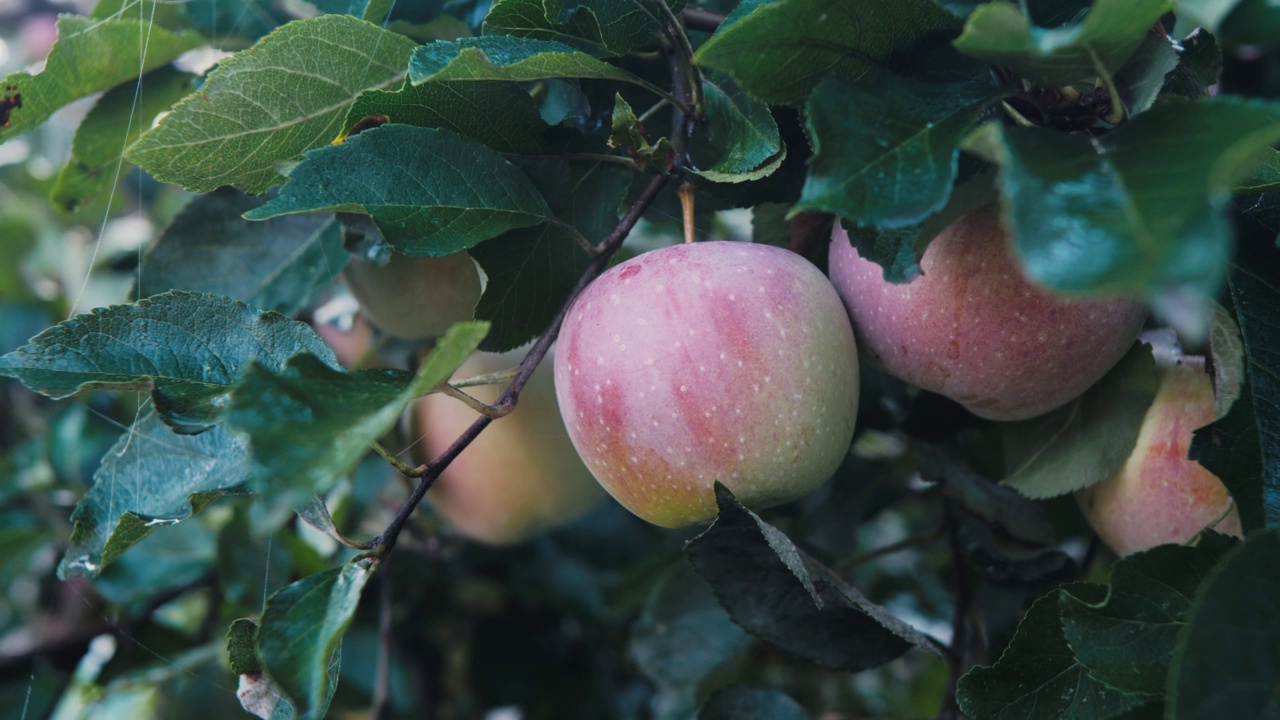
x,y
415,298
520,476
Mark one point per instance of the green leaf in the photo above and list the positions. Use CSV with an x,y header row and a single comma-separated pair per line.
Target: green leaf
x,y
1227,664
1199,67
1265,178
301,633
430,192
242,647
738,139
1127,640
277,265
187,349
309,425
240,126
999,32
743,703
150,478
779,50
115,121
1085,441
1037,675
502,115
898,251
886,149
601,27
628,133
89,56
232,23
682,633
1140,80
787,599
1121,213
532,271
503,57
1255,290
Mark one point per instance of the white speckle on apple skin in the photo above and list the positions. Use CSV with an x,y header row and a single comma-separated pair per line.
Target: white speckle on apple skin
x,y
958,328
769,414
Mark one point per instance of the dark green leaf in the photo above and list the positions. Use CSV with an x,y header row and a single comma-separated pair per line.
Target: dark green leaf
x,y
88,56
1038,676
276,265
899,251
601,27
1199,67
301,633
430,192
115,121
1122,213
1127,640
503,57
1001,33
738,139
1088,439
682,633
779,50
1228,448
1266,178
240,125
1141,79
783,597
308,425
1255,290
186,348
502,115
743,703
1227,663
886,149
152,477
532,271
628,133
242,647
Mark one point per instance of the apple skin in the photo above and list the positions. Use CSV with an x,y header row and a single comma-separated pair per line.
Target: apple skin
x,y
521,475
709,361
974,328
415,298
1159,496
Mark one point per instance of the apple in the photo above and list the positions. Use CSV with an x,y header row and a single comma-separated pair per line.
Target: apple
x,y
1160,496
974,328
708,361
520,476
415,298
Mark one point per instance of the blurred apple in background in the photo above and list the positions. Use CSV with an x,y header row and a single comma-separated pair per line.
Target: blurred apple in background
x,y
521,475
1159,496
711,361
415,298
973,328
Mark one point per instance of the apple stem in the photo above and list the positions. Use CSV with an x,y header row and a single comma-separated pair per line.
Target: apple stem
x,y
686,205
427,474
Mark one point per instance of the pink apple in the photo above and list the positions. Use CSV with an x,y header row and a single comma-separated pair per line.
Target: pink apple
x,y
1159,496
711,361
521,476
415,298
973,328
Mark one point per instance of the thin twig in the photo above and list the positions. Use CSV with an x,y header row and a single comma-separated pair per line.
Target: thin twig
x,y
572,232
427,474
957,658
380,708
918,539
478,405
495,378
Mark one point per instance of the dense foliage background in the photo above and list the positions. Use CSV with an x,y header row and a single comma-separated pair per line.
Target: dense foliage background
x,y
189,503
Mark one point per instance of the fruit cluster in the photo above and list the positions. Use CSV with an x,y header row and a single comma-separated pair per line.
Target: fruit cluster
x,y
738,363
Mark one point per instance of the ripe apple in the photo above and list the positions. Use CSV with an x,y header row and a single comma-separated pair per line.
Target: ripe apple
x,y
708,361
520,476
1159,496
975,329
415,298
